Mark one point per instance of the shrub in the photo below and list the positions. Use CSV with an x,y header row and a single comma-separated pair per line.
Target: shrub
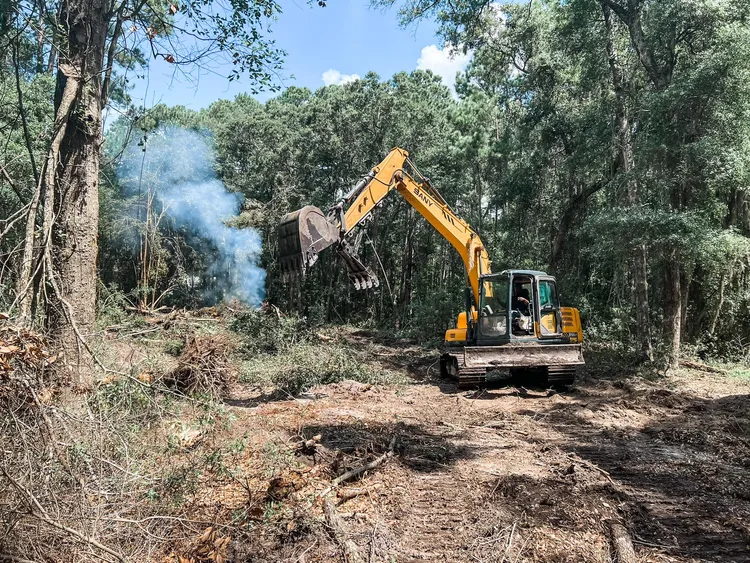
x,y
307,365
268,330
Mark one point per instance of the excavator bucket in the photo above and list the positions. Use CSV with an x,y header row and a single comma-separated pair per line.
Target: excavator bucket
x,y
302,235
305,232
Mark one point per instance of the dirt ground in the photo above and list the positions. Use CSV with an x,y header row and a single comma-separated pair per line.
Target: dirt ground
x,y
498,474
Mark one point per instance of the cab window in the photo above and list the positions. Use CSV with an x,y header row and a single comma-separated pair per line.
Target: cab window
x,y
493,313
548,295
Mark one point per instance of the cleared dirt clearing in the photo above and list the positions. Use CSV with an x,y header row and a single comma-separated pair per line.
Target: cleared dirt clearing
x,y
499,474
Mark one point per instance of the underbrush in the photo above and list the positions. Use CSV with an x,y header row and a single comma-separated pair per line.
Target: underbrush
x,y
288,353
130,469
268,330
110,473
307,365
605,360
104,454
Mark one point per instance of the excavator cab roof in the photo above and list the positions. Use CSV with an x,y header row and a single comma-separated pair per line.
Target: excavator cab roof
x,y
534,273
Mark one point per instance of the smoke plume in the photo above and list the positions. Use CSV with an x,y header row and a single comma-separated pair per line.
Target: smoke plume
x,y
178,166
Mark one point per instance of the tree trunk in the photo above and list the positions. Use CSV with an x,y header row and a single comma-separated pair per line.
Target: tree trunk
x,y
719,304
406,267
639,259
72,180
640,278
673,305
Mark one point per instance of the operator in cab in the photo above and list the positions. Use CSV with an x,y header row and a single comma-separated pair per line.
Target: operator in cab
x,y
521,316
521,300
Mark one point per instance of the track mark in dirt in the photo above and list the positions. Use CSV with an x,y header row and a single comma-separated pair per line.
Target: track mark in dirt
x,y
432,519
536,476
682,488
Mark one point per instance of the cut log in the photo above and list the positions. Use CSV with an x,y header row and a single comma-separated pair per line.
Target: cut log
x,y
623,545
348,494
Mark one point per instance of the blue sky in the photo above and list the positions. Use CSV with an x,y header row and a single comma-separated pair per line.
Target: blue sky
x,y
327,45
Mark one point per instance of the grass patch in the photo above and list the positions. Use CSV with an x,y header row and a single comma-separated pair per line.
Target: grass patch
x,y
307,365
740,372
268,330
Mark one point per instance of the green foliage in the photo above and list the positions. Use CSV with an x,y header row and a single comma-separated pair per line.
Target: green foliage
x,y
528,156
285,353
307,365
268,331
128,399
527,152
113,307
174,347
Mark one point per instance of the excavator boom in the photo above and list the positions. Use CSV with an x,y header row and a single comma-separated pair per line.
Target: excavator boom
x,y
306,232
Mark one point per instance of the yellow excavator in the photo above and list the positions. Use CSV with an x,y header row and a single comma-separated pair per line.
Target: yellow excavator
x,y
512,322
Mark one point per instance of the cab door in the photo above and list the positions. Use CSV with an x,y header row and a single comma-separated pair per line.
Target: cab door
x,y
548,308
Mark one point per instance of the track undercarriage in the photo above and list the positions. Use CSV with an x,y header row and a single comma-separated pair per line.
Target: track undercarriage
x,y
547,366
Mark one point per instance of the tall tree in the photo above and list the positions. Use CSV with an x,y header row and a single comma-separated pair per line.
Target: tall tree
x,y
626,156
87,39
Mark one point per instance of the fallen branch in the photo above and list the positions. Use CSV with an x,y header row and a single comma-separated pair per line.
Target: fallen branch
x,y
702,367
509,545
53,441
14,559
350,549
590,465
359,470
623,545
348,494
138,333
641,541
38,512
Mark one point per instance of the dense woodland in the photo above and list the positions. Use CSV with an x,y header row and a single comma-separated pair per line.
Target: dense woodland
x,y
605,142
165,395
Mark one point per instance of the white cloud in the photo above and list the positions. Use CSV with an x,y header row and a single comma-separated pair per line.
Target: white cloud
x,y
333,76
445,62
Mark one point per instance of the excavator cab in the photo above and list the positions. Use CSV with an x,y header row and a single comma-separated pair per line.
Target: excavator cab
x,y
519,327
521,305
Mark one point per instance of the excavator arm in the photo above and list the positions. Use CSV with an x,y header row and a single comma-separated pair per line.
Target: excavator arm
x,y
304,233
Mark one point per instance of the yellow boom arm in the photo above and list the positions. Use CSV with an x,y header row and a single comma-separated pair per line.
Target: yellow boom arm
x,y
390,175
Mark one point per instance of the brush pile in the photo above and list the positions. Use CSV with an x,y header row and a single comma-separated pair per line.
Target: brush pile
x,y
23,357
210,547
204,366
22,350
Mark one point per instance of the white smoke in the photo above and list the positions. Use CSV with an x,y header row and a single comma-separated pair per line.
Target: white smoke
x,y
178,166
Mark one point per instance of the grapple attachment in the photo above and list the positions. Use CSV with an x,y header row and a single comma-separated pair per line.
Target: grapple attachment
x,y
359,274
307,231
302,235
